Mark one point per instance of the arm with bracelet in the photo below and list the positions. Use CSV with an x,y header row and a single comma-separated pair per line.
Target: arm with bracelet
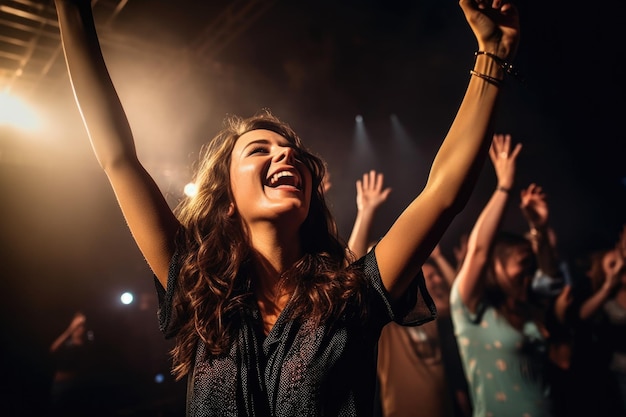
x,y
549,279
470,276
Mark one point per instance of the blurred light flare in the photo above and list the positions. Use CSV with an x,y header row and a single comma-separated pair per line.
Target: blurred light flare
x,y
191,189
15,112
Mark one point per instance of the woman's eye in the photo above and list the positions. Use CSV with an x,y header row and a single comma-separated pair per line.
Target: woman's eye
x,y
256,150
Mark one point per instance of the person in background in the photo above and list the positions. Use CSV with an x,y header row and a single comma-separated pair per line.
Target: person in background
x,y
501,331
419,370
72,391
370,195
599,360
270,313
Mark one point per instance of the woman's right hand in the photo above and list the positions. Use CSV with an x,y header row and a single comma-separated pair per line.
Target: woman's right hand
x,y
495,25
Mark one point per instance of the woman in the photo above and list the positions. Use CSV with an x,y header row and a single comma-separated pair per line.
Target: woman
x,y
600,363
419,368
270,317
500,326
74,365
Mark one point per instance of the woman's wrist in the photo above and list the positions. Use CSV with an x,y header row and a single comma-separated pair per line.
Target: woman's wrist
x,y
503,50
488,66
503,188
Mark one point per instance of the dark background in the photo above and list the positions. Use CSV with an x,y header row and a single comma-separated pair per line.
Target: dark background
x,y
181,67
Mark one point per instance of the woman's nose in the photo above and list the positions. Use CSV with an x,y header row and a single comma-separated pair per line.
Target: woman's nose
x,y
285,154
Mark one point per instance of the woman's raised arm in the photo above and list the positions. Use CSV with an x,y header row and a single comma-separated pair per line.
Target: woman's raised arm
x,y
411,239
150,219
471,286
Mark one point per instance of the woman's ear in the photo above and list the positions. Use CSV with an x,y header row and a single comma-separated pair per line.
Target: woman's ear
x,y
231,210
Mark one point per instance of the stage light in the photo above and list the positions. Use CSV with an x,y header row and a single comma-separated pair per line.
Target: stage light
x,y
126,298
191,189
159,378
400,135
14,112
360,132
362,157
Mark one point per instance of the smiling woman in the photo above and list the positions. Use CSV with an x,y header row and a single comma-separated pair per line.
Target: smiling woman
x,y
271,313
270,164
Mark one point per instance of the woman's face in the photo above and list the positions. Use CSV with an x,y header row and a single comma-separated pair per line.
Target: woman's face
x,y
515,272
267,179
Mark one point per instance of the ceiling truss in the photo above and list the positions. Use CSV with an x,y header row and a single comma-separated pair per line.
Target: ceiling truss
x,y
30,47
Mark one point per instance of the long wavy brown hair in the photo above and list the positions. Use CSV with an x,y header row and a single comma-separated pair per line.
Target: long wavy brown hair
x,y
215,279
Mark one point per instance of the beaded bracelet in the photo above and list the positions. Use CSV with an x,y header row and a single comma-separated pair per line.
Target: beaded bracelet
x,y
492,80
503,189
506,66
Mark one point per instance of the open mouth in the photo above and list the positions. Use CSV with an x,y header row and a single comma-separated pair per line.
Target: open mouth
x,y
284,178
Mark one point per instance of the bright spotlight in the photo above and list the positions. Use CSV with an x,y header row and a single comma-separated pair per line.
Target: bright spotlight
x,y
16,113
191,190
159,378
359,118
126,298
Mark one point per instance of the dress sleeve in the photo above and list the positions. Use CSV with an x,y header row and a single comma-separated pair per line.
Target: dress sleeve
x,y
414,308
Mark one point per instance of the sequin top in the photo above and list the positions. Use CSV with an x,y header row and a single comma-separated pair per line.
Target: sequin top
x,y
299,369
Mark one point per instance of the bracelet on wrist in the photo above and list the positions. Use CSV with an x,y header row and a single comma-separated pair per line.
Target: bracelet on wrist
x,y
491,80
506,66
503,189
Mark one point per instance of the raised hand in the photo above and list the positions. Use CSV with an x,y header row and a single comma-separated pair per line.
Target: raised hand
x,y
503,159
612,265
495,25
534,206
78,320
370,193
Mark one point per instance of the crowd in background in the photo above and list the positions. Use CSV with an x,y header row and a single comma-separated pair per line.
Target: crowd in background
x,y
521,329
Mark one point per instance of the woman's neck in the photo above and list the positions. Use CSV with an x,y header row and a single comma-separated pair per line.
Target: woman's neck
x,y
275,249
272,258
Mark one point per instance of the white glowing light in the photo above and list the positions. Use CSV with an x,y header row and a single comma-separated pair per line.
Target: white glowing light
x,y
14,112
126,298
191,189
